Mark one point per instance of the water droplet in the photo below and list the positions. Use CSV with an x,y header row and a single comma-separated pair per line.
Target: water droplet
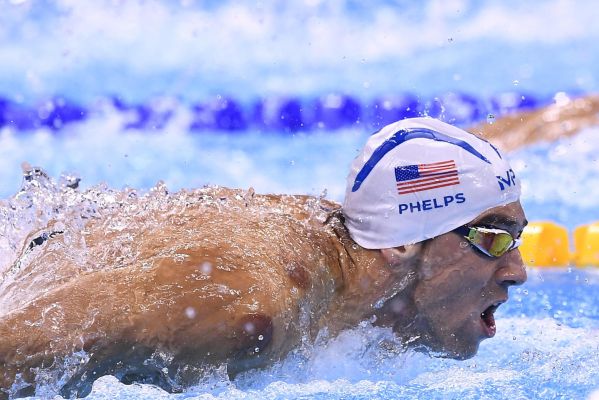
x,y
190,312
249,327
379,304
260,337
206,268
257,350
70,181
490,119
561,99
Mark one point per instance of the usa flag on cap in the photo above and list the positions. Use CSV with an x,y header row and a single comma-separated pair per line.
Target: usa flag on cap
x,y
421,177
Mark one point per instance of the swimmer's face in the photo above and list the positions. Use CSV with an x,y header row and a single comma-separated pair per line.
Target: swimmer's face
x,y
459,287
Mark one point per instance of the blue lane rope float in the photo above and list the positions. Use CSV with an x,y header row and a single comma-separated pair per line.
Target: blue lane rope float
x,y
279,114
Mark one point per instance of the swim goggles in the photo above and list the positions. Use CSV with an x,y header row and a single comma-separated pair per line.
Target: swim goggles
x,y
490,241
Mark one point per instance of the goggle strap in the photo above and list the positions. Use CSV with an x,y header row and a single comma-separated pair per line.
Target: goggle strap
x,y
463,230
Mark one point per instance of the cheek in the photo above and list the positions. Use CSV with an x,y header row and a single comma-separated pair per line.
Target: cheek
x,y
450,313
445,275
452,279
444,256
454,284
450,298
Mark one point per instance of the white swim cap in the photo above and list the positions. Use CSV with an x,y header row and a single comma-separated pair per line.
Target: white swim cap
x,y
419,178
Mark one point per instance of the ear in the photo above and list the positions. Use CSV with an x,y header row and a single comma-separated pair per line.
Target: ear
x,y
395,256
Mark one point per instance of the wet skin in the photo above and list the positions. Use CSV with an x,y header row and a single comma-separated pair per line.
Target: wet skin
x,y
214,276
456,284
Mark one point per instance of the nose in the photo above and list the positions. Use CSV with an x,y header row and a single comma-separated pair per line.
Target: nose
x,y
511,271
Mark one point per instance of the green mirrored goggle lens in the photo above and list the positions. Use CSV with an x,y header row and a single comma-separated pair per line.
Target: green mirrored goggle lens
x,y
493,242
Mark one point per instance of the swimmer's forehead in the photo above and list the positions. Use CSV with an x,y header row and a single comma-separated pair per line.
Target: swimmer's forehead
x,y
509,217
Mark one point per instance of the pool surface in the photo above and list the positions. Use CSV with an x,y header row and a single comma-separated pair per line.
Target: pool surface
x,y
281,97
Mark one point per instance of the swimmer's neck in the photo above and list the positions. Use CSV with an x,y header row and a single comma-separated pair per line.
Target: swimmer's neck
x,y
368,282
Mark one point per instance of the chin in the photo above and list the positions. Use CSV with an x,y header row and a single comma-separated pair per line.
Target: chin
x,y
460,351
423,337
462,355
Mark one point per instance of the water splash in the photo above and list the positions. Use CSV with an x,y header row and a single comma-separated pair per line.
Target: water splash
x,y
368,362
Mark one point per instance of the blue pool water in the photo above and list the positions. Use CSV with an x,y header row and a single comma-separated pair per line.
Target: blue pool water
x,y
131,93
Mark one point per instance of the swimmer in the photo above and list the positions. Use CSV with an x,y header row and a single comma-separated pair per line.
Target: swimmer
x,y
566,117
425,243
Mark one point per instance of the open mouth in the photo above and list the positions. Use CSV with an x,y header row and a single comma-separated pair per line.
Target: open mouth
x,y
488,319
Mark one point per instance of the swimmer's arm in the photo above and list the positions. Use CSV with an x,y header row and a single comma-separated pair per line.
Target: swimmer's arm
x,y
126,314
20,350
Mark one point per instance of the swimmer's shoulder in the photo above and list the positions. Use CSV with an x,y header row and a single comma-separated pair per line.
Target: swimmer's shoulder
x,y
299,206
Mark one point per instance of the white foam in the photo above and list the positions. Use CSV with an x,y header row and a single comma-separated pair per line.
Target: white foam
x,y
528,358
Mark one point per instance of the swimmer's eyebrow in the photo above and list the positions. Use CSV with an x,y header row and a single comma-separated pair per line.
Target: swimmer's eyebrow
x,y
501,221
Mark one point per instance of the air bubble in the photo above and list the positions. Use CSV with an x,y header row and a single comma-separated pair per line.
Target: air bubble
x,y
490,119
